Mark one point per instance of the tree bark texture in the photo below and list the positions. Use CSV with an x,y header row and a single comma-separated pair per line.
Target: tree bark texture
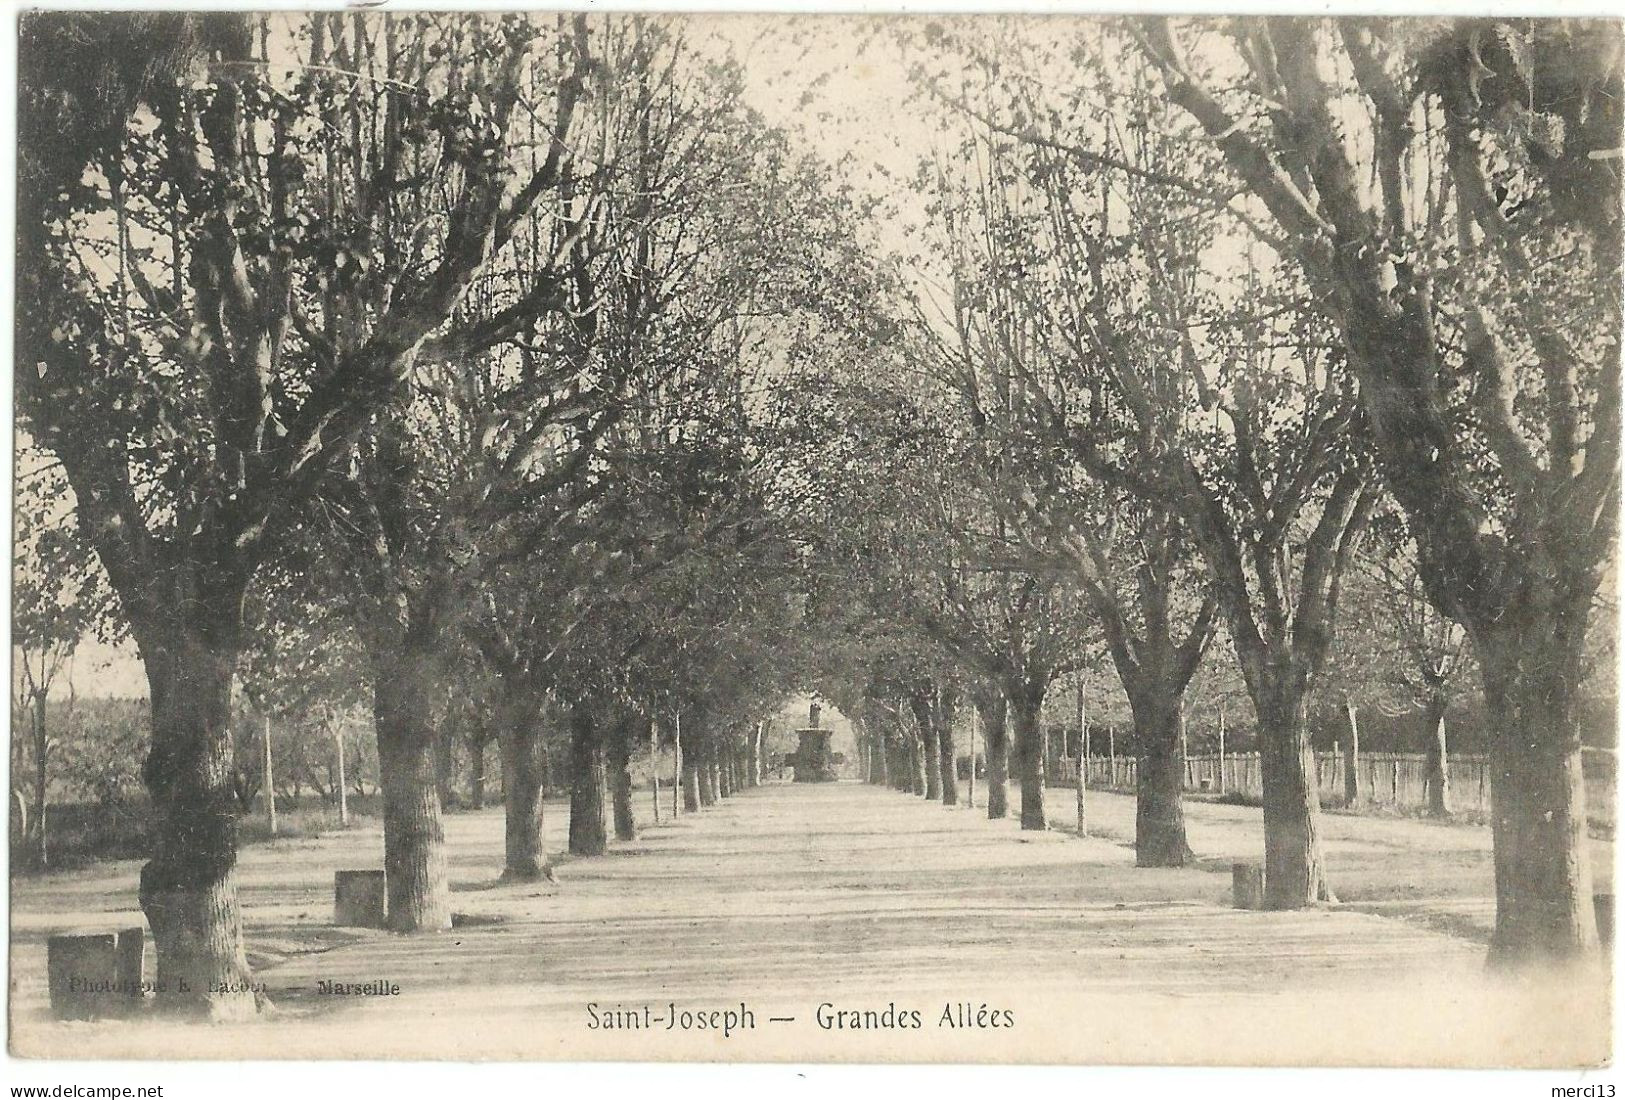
x,y
476,773
38,837
419,896
1294,865
189,886
445,768
996,747
1026,706
691,781
705,760
524,777
1543,885
920,702
946,767
1351,769
1159,812
620,783
587,837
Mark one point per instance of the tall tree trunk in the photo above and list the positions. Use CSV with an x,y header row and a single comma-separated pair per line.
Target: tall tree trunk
x,y
920,702
1351,766
877,742
586,783
996,747
1294,866
445,769
704,753
189,886
691,780
1159,811
1544,910
1438,756
39,838
916,764
1026,710
945,760
620,783
753,765
725,773
414,840
476,773
524,776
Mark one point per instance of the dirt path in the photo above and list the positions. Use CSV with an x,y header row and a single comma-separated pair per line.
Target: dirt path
x,y
786,898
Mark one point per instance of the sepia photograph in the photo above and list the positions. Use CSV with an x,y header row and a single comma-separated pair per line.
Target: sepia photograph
x,y
652,536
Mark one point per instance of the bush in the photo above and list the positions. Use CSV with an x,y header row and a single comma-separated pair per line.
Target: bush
x,y
310,818
80,833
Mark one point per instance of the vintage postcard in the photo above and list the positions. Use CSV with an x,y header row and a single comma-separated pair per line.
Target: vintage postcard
x,y
665,537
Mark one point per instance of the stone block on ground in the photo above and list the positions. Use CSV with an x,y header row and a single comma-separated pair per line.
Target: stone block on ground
x,y
359,899
82,972
1247,885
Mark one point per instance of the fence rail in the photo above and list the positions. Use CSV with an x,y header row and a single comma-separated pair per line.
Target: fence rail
x,y
1395,779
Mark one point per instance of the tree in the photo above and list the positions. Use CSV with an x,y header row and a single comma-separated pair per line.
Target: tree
x,y
1207,387
1136,569
58,597
1399,651
918,532
1450,191
191,391
1130,558
306,668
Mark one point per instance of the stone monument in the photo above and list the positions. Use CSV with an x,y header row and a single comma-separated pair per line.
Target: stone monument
x,y
813,760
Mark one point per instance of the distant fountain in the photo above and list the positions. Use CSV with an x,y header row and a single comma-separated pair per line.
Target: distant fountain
x,y
813,760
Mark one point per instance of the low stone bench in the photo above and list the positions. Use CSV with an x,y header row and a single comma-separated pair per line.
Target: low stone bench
x,y
1247,885
359,899
95,975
